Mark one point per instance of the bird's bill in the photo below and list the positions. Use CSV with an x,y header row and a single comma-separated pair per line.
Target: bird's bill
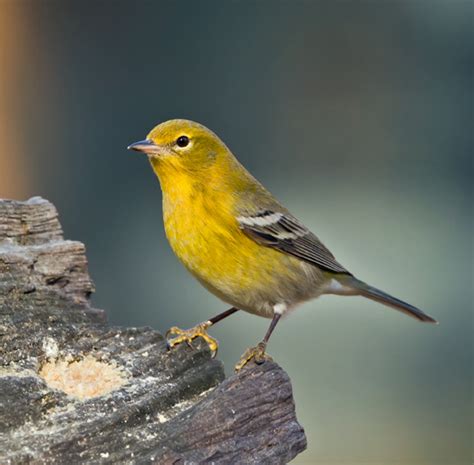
x,y
146,146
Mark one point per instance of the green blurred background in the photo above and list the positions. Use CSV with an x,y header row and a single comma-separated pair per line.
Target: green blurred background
x,y
356,114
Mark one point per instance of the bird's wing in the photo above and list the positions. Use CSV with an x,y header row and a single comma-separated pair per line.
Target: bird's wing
x,y
284,232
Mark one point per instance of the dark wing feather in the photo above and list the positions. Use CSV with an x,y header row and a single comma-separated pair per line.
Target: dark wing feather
x,y
283,232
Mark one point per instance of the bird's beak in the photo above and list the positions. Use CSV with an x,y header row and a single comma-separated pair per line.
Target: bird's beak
x,y
147,146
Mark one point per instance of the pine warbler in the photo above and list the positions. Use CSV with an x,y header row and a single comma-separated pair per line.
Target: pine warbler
x,y
236,239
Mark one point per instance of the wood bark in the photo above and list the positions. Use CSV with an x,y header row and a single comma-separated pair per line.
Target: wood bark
x,y
140,403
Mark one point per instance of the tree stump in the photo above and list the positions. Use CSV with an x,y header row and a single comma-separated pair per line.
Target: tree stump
x,y
75,390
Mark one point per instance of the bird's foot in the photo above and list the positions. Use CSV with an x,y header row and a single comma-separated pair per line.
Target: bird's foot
x,y
256,353
188,335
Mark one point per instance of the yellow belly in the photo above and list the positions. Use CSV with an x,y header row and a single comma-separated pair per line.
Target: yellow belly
x,y
231,265
200,213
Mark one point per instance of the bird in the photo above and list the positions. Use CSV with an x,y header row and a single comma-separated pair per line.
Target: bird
x,y
237,240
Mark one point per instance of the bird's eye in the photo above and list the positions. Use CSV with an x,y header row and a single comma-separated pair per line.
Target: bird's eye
x,y
182,141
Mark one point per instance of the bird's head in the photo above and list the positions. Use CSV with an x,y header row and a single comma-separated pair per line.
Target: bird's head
x,y
181,145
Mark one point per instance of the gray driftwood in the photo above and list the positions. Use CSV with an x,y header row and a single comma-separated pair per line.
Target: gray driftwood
x,y
167,407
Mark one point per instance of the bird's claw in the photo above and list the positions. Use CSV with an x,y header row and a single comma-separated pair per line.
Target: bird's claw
x,y
256,353
188,335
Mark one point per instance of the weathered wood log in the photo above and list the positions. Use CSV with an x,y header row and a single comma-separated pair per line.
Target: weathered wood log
x,y
75,390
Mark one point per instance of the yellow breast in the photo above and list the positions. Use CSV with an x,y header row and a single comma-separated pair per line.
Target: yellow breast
x,y
203,232
202,229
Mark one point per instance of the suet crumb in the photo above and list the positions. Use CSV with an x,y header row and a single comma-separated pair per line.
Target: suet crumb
x,y
83,379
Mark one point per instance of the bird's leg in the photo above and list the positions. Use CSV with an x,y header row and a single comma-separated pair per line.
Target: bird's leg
x,y
258,353
200,330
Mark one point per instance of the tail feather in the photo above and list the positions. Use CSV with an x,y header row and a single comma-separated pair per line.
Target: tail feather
x,y
377,295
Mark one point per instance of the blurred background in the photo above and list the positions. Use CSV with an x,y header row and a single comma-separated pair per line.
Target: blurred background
x,y
358,115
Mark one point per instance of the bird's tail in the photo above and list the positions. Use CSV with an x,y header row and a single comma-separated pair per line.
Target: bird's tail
x,y
372,293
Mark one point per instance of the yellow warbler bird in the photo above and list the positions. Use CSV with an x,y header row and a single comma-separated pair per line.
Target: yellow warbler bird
x,y
236,239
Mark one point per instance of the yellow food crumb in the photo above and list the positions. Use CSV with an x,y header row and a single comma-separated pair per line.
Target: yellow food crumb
x,y
83,379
